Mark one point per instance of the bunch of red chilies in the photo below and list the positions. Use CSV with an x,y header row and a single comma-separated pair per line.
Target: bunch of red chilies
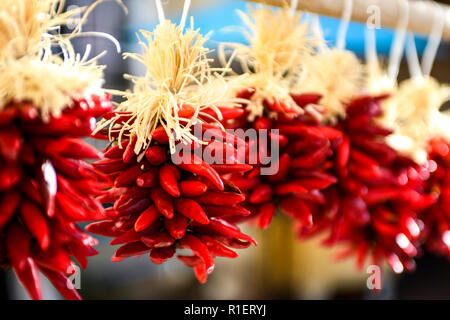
x,y
304,147
160,206
437,218
342,179
45,188
348,182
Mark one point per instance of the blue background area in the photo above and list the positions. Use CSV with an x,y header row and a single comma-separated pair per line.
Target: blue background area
x,y
221,14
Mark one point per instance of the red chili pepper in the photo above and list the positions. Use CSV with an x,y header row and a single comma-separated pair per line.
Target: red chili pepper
x,y
199,249
36,223
104,228
176,226
63,125
168,179
10,175
379,195
300,130
227,113
129,150
304,99
8,205
88,186
132,249
279,106
133,206
297,209
260,194
26,111
10,143
60,281
213,131
225,211
343,153
110,165
160,135
29,278
215,149
319,182
27,155
191,209
310,161
363,158
231,242
381,152
156,155
133,194
265,214
221,198
18,246
162,201
68,147
7,114
216,248
290,187
158,240
80,253
355,210
117,151
132,236
69,208
284,164
201,168
262,123
245,183
221,226
148,179
147,218
279,138
246,93
161,255
129,176
68,167
231,168
197,264
123,116
192,188
30,189
57,260
111,195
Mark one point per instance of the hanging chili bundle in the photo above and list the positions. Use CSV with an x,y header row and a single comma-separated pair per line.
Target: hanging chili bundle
x,y
47,105
375,204
297,144
167,195
421,133
437,218
300,169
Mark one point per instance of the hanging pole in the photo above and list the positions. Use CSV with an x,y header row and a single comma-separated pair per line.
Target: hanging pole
x,y
421,13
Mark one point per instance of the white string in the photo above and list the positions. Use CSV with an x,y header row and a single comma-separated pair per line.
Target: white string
x,y
343,27
412,57
294,5
370,45
434,39
395,56
160,11
317,30
187,4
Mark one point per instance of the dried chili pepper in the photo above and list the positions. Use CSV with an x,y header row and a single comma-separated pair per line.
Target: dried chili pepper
x,y
374,206
45,189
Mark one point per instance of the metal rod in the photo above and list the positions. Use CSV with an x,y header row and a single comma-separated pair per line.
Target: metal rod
x,y
386,12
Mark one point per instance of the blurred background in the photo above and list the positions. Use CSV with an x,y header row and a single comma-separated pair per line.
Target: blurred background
x,y
280,267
